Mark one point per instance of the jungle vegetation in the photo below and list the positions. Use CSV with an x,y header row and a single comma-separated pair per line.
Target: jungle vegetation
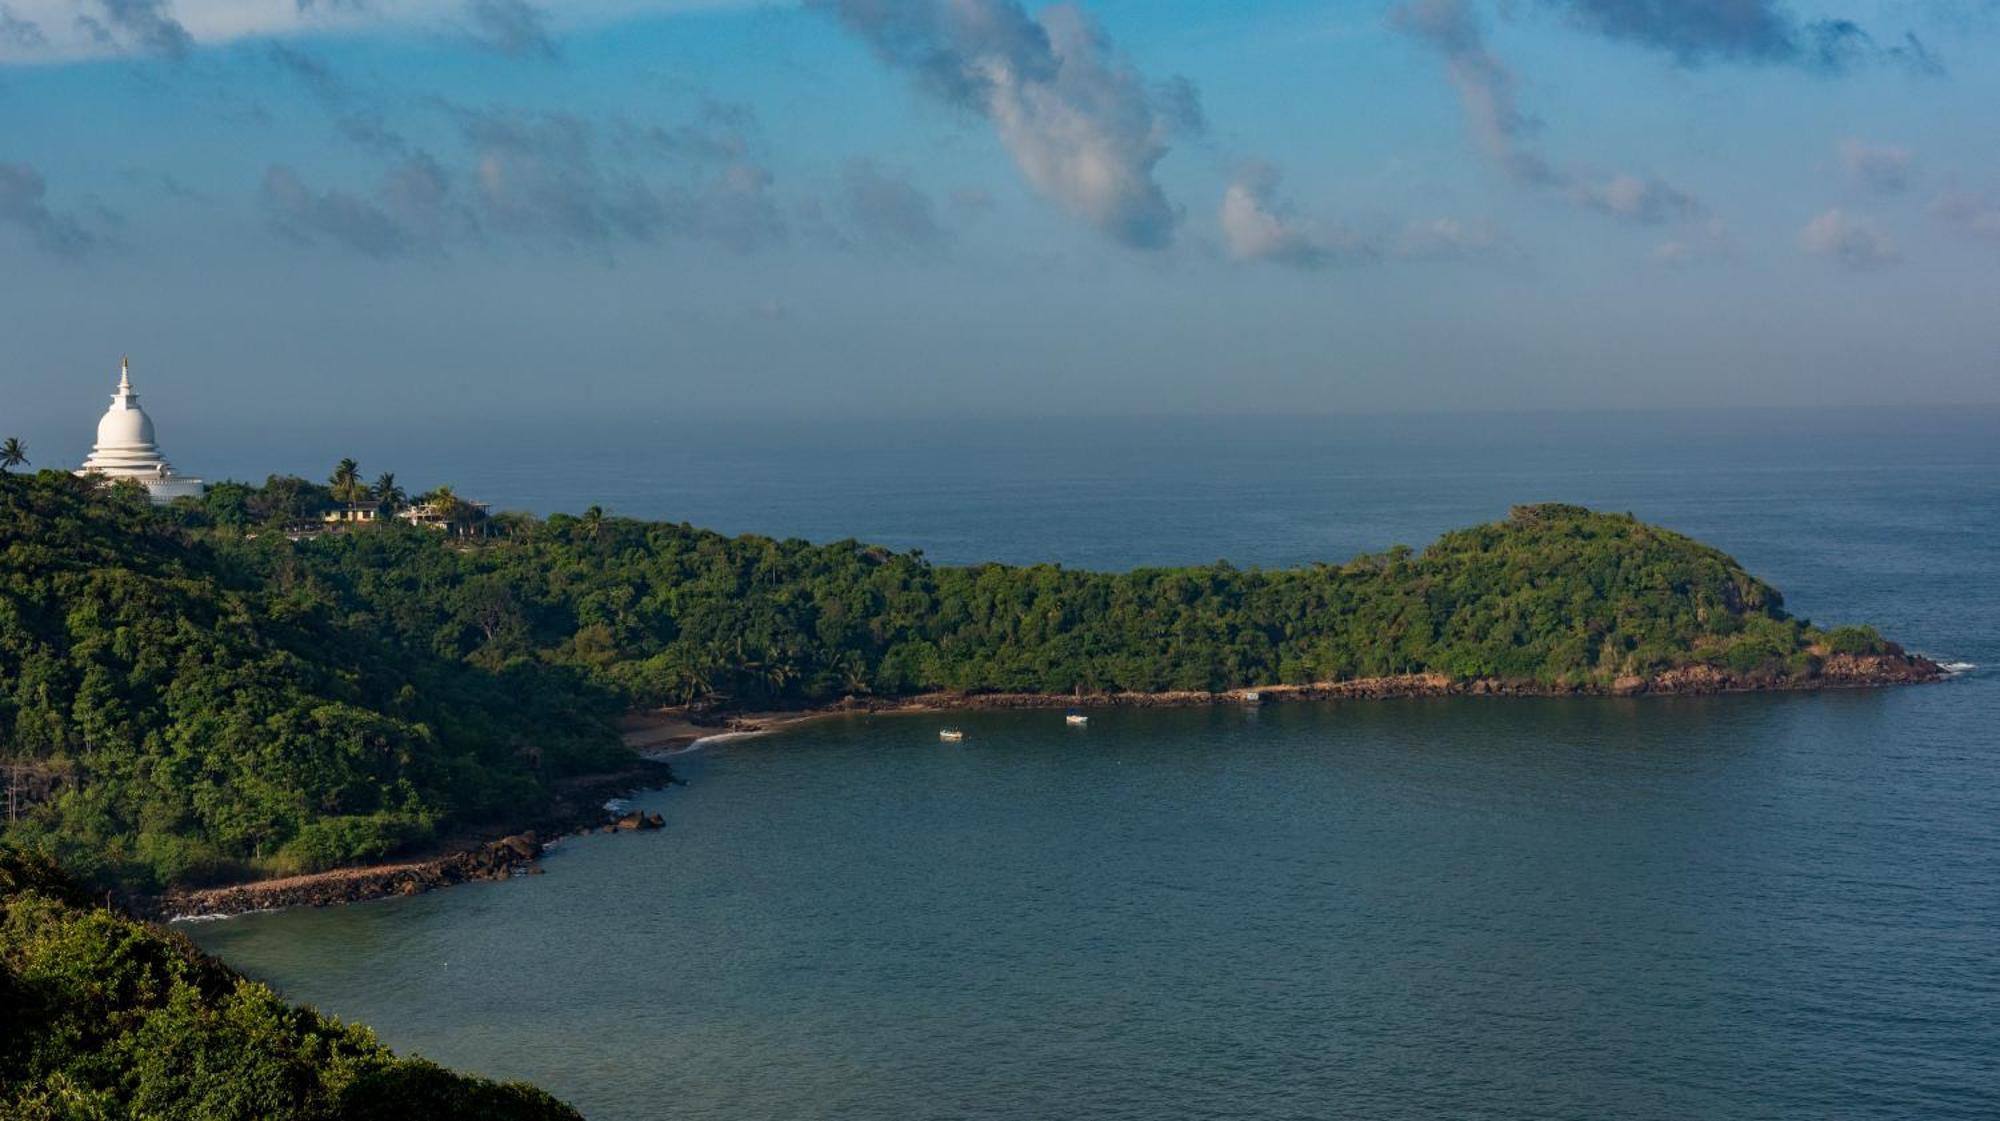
x,y
107,1018
195,693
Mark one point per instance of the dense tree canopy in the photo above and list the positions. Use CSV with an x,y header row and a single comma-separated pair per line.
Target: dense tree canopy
x,y
200,695
193,707
107,1018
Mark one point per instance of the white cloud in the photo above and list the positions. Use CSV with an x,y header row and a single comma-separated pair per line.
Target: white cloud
x,y
1976,213
1645,201
1486,85
1852,241
1257,227
1084,127
58,36
1448,239
1506,133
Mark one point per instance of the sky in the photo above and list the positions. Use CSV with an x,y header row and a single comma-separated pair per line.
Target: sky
x,y
491,211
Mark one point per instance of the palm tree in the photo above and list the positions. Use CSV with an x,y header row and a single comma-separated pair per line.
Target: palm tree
x,y
456,513
854,674
593,524
12,454
388,496
778,672
346,478
692,676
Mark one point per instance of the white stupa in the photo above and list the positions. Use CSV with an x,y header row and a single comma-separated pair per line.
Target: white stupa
x,y
125,448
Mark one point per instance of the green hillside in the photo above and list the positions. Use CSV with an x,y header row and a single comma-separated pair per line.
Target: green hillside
x,y
189,695
108,1018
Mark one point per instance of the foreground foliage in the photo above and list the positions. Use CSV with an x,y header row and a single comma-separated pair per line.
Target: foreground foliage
x,y
109,1018
200,696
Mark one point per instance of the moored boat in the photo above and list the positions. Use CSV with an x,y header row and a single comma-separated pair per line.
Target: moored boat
x,y
950,735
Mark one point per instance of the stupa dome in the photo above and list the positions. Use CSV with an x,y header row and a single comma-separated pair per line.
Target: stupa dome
x,y
125,447
125,428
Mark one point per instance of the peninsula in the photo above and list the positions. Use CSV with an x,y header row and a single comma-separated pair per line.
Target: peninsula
x,y
195,697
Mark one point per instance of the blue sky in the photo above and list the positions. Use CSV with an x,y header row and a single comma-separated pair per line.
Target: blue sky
x,y
479,210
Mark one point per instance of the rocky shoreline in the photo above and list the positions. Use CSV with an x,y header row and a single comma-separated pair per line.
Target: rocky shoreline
x,y
577,808
660,732
1837,671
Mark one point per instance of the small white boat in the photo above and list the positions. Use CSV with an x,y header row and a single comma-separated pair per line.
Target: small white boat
x,y
1253,697
1075,719
950,735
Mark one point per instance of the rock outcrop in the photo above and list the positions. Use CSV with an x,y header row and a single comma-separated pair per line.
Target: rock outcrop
x,y
1831,671
494,861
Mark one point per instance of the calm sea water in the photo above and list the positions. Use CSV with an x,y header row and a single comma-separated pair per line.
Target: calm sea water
x,y
1742,907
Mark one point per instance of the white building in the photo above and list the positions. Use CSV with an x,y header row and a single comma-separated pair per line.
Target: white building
x,y
432,514
125,448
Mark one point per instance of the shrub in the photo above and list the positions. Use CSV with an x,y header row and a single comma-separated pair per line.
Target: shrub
x,y
333,841
1854,640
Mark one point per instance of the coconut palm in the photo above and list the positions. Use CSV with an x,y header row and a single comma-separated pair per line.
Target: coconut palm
x,y
689,676
346,479
778,671
388,496
12,454
854,673
456,513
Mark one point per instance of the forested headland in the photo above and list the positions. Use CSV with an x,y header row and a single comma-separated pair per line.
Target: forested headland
x,y
107,1017
193,694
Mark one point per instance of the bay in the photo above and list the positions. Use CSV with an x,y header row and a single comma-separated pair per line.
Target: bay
x,y
1731,907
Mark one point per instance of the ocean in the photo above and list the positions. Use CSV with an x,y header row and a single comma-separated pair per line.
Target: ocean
x,y
1732,907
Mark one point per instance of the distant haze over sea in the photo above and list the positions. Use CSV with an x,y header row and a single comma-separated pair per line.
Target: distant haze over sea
x,y
1110,492
1783,490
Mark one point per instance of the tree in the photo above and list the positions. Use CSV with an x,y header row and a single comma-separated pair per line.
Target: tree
x,y
388,496
511,524
12,454
289,498
108,1017
345,480
367,690
456,513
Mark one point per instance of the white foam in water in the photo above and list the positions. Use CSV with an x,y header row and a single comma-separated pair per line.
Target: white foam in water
x,y
173,919
724,737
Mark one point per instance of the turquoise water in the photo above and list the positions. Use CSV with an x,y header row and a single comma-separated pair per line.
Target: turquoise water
x,y
1738,907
